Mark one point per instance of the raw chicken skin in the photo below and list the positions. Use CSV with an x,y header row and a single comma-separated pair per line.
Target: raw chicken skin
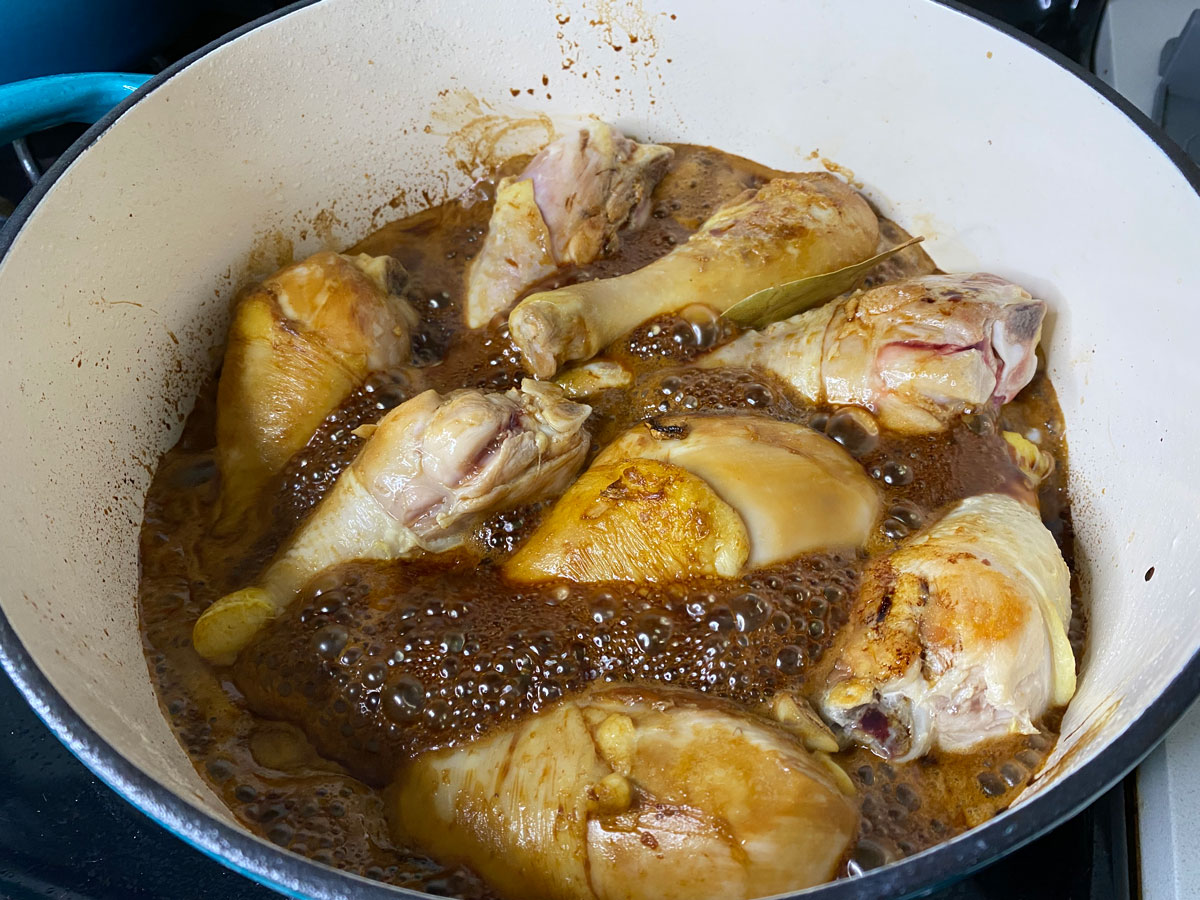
x,y
789,228
299,343
958,636
566,208
915,352
432,469
626,794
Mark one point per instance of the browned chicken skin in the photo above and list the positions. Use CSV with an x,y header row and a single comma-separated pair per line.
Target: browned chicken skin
x,y
789,228
431,469
702,495
299,343
631,793
915,352
958,636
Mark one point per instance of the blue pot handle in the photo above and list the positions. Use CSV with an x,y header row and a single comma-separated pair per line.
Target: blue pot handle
x,y
29,106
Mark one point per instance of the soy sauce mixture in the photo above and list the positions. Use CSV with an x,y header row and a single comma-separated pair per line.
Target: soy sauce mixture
x,y
376,662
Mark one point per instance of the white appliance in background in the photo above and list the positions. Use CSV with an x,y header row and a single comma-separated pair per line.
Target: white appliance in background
x,y
1168,790
1128,49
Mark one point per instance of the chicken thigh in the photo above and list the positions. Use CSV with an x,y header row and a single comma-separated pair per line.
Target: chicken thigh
x,y
958,636
789,228
765,491
299,343
626,794
564,209
635,520
432,469
915,352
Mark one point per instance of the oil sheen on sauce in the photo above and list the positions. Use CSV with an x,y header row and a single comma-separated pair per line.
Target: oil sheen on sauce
x,y
379,661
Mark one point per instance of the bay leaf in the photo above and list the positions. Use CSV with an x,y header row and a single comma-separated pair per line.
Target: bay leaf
x,y
783,301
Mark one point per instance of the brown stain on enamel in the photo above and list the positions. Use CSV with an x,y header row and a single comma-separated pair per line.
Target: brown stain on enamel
x,y
608,40
271,251
845,172
480,137
325,225
1088,731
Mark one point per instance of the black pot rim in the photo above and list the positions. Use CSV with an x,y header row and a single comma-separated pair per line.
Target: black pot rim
x,y
299,877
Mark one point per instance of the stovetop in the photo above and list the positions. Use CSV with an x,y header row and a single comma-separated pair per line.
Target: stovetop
x,y
64,834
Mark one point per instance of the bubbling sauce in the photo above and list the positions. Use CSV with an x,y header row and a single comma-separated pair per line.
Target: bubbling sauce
x,y
376,662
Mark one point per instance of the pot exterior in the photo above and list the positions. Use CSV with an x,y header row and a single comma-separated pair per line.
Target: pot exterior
x,y
320,125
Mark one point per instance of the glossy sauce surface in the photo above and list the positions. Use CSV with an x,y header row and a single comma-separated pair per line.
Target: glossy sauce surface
x,y
378,661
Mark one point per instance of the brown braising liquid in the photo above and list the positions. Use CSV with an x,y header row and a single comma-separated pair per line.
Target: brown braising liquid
x,y
379,661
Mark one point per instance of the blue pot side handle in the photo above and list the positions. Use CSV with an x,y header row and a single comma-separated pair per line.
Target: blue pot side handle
x,y
29,106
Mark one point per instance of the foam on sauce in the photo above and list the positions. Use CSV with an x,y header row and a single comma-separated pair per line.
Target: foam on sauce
x,y
378,661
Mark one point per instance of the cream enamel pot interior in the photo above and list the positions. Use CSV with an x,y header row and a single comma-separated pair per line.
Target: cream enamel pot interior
x,y
319,125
